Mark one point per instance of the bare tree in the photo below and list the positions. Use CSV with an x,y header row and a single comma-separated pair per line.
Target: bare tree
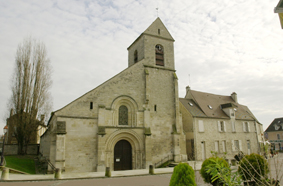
x,y
31,83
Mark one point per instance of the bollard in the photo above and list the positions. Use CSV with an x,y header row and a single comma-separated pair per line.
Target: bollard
x,y
5,174
107,172
57,174
151,169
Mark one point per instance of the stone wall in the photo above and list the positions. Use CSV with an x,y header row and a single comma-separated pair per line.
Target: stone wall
x,y
80,145
12,149
149,92
211,135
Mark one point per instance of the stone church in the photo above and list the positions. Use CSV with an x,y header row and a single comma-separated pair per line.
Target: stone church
x,y
135,119
130,121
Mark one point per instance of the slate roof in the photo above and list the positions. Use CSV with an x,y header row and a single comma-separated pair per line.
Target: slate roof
x,y
276,125
279,7
210,106
194,109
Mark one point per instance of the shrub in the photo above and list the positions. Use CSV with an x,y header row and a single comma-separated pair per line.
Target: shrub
x,y
223,174
253,167
210,162
183,175
239,156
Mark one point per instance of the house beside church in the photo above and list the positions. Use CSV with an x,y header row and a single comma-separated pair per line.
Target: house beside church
x,y
279,10
220,124
135,119
274,133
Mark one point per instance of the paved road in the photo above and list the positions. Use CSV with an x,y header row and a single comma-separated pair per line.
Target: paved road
x,y
149,180
144,180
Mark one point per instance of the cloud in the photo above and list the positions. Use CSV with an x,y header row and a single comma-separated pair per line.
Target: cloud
x,y
224,46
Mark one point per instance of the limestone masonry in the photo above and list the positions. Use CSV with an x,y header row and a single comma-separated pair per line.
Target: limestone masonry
x,y
135,119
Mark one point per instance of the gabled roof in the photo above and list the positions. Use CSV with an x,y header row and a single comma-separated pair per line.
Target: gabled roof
x,y
279,7
276,125
192,107
212,105
153,30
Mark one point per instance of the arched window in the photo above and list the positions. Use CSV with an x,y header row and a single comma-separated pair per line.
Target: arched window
x,y
136,56
159,55
123,115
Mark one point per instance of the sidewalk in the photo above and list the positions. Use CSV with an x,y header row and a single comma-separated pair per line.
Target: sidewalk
x,y
87,175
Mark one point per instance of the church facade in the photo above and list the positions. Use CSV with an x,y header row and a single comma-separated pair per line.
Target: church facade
x,y
130,121
136,118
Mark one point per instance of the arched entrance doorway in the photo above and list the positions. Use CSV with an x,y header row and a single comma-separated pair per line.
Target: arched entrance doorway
x,y
123,155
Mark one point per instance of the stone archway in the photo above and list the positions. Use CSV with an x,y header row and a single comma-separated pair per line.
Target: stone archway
x,y
132,109
134,140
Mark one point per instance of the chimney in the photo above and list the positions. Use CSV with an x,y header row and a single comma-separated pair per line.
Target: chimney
x,y
234,97
187,89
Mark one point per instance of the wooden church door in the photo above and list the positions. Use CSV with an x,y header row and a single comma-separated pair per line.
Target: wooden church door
x,y
123,155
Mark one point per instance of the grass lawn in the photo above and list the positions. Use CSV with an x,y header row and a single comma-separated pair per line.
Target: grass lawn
x,y
21,163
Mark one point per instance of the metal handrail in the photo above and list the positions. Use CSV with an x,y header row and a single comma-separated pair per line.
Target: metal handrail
x,y
167,158
48,162
51,165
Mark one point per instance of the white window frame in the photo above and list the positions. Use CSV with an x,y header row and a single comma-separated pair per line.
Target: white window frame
x,y
200,126
233,126
216,146
234,146
220,126
224,146
246,126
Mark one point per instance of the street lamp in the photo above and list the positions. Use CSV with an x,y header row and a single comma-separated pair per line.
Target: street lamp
x,y
3,145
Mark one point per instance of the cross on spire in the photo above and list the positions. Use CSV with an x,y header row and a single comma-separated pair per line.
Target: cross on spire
x,y
157,12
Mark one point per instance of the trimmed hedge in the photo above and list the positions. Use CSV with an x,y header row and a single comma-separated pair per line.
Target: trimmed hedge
x,y
183,175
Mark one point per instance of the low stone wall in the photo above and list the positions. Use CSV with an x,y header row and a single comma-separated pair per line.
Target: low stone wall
x,y
196,165
12,149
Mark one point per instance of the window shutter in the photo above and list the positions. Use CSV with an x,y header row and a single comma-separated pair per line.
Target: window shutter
x,y
244,128
216,146
223,146
240,145
233,145
224,126
219,126
201,126
248,127
233,126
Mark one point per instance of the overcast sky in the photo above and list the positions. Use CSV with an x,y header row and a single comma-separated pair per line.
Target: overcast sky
x,y
221,46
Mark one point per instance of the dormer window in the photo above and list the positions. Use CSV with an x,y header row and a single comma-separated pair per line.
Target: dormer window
x,y
276,127
136,56
159,55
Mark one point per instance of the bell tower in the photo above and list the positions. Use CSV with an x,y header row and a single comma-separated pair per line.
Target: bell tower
x,y
155,46
153,52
